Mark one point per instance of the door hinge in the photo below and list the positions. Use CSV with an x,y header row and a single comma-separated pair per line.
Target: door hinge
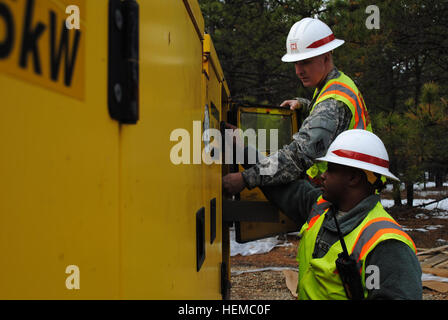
x,y
123,66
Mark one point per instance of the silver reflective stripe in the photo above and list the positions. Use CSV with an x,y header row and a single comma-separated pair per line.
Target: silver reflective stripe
x,y
368,234
318,209
352,95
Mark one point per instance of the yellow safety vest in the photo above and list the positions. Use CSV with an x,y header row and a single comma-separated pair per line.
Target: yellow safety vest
x,y
342,89
318,277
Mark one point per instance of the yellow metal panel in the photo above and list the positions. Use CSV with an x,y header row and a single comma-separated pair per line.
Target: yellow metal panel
x,y
197,19
59,168
79,189
160,199
210,53
212,173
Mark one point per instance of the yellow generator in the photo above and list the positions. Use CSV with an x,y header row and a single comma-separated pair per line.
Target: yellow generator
x,y
105,192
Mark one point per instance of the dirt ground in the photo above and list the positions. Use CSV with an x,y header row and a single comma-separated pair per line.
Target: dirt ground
x,y
271,285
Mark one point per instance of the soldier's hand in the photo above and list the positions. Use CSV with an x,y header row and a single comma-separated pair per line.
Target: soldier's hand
x,y
233,183
292,104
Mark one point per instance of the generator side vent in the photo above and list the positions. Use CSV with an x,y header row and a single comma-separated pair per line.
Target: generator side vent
x,y
212,220
200,238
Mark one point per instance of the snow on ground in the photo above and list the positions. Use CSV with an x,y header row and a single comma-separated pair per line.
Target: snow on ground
x,y
417,186
255,247
424,228
440,209
390,203
430,277
420,186
441,206
431,193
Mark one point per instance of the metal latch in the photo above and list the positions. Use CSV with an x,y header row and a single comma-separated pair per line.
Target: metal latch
x,y
123,77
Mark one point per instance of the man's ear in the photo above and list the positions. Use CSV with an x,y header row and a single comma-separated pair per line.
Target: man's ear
x,y
355,177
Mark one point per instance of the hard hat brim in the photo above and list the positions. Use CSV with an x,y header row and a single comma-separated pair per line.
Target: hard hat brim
x,y
359,164
294,57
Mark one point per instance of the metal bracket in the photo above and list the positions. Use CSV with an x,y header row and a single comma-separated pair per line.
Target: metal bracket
x,y
252,211
123,77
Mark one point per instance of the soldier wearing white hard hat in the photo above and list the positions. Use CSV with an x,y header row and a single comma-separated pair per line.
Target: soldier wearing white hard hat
x,y
350,247
309,38
337,105
360,149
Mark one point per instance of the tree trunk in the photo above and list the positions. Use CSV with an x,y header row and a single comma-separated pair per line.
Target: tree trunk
x,y
439,178
397,194
418,84
424,180
410,193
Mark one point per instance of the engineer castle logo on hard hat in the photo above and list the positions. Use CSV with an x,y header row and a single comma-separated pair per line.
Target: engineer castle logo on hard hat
x,y
293,46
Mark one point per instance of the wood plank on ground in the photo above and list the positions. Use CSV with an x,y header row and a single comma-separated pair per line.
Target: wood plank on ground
x,y
432,250
436,285
435,260
440,272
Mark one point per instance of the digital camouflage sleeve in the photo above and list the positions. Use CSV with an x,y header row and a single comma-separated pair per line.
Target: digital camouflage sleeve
x,y
328,119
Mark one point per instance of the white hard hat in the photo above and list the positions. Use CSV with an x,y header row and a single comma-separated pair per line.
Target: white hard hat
x,y
360,149
309,38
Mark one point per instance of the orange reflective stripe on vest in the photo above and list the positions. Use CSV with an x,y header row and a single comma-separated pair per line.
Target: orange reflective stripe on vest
x,y
319,208
372,231
364,110
345,91
321,201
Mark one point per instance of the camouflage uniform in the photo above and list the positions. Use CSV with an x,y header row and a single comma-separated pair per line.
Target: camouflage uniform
x,y
328,119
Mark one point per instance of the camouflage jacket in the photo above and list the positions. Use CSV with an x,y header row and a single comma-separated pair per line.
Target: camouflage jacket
x,y
328,119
